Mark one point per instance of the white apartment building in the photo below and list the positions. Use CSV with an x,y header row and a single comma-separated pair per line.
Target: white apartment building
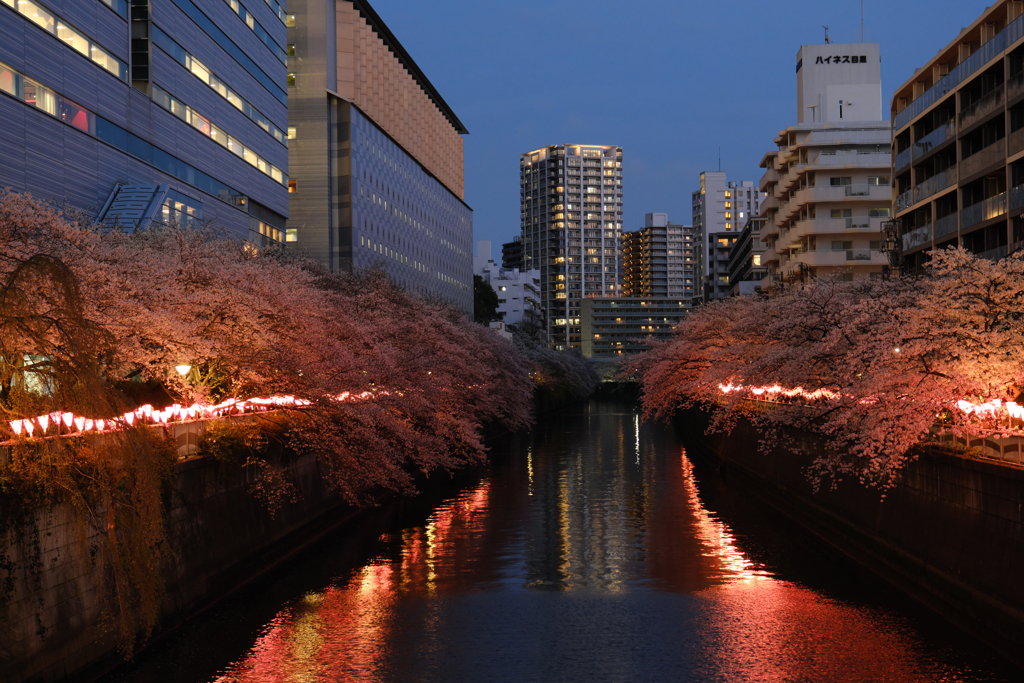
x,y
720,210
828,180
571,213
518,291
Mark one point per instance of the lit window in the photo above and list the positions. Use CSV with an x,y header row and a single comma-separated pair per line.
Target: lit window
x,y
291,80
291,133
293,187
757,259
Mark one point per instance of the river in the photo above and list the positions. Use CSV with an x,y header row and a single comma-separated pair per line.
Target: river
x,y
590,549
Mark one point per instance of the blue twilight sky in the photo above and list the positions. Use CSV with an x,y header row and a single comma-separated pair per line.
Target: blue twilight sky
x,y
667,80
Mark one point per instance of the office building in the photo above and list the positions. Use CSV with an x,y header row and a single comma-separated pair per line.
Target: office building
x,y
658,260
376,155
518,290
827,177
958,142
720,209
745,267
619,326
571,200
146,112
512,253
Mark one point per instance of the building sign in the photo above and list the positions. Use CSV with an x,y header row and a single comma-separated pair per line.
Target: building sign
x,y
842,59
132,207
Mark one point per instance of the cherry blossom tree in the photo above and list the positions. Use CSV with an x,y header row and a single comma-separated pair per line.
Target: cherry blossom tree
x,y
870,365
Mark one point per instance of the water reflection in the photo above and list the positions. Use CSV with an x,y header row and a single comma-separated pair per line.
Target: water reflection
x,y
590,552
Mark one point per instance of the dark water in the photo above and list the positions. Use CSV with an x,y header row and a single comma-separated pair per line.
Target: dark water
x,y
590,550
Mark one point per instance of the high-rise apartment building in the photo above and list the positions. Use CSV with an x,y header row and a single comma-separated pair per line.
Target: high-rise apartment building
x,y
158,110
720,209
512,253
376,155
659,260
746,269
827,179
958,135
571,200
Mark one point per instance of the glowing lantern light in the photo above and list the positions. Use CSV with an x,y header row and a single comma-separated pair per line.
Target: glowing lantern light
x,y
80,423
129,418
16,426
89,424
29,427
44,422
68,418
99,425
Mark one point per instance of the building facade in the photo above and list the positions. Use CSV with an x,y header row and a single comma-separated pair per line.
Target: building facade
x,y
746,269
571,201
658,260
518,290
720,209
512,253
828,179
151,111
376,155
958,142
615,327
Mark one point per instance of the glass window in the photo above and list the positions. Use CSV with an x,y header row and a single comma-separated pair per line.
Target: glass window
x,y
198,70
37,14
198,122
73,38
74,115
291,133
289,20
10,82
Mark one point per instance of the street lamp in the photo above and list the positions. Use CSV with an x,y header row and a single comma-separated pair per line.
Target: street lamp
x,y
183,369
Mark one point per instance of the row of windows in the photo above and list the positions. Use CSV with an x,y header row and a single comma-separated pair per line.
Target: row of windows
x,y
203,125
206,76
39,96
239,55
267,230
255,27
56,26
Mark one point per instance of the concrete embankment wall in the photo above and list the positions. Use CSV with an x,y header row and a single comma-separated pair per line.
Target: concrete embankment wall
x,y
950,533
221,534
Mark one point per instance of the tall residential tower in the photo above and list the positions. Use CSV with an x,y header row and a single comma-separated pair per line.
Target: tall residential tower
x,y
571,213
720,210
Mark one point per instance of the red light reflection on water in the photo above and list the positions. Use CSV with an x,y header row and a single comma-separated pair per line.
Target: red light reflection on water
x,y
346,632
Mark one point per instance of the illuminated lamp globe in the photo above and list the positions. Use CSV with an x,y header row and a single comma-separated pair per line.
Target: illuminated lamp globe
x,y
183,369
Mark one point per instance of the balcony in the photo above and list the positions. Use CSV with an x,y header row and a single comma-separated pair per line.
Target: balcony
x,y
993,207
770,202
770,176
988,103
1015,86
849,136
937,183
990,156
917,237
831,226
847,159
947,225
903,159
1016,197
946,131
967,68
842,257
1015,142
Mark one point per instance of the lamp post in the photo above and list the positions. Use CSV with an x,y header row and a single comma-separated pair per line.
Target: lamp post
x,y
891,244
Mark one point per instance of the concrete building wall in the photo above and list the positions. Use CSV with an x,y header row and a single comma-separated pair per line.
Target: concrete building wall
x,y
839,82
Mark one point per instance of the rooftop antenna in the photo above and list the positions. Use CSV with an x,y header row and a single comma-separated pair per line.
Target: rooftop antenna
x,y
862,21
827,40
719,157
